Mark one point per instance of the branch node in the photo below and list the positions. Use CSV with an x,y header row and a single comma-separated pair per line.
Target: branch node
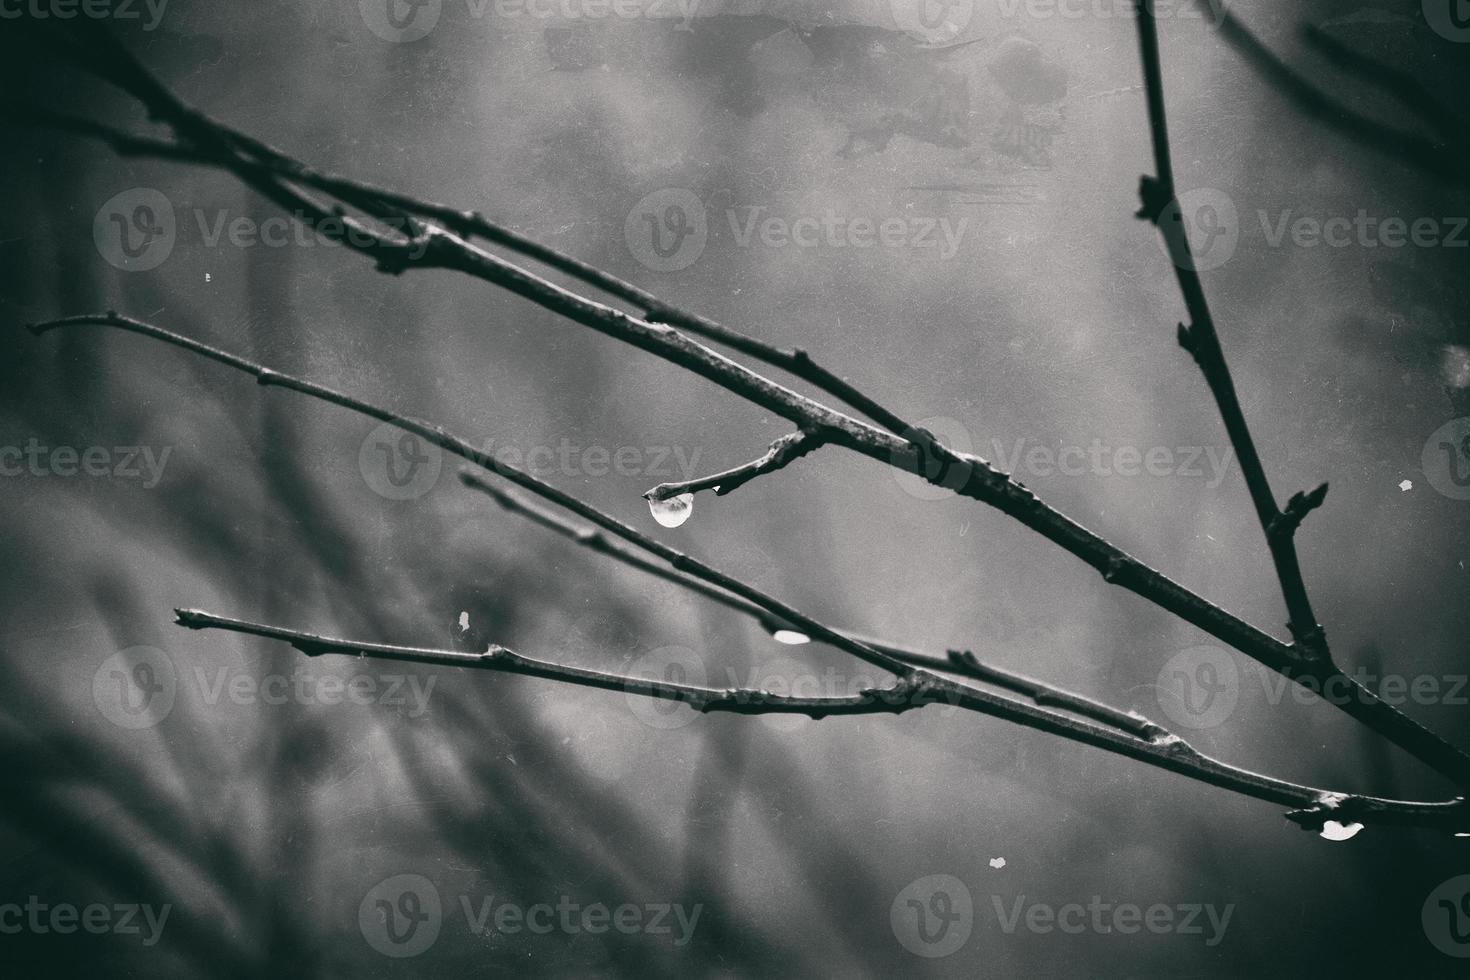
x,y
1284,525
1116,567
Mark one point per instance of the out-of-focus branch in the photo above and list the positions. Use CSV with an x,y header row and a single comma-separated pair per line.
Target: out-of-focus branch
x,y
789,447
1445,162
1313,807
1400,84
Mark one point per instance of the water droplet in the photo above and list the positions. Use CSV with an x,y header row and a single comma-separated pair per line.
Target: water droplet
x,y
790,637
674,511
1332,830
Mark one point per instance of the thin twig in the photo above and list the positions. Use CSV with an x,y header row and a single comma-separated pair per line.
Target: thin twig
x,y
1312,806
784,450
466,450
961,662
1200,338
377,200
907,693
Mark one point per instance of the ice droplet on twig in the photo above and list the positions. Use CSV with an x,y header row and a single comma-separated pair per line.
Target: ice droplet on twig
x,y
673,511
790,637
1332,830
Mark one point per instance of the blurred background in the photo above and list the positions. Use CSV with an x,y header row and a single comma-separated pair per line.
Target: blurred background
x,y
738,159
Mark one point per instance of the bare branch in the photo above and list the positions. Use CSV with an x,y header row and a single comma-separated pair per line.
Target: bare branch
x,y
229,148
961,662
438,436
1200,338
786,449
906,693
968,475
1162,751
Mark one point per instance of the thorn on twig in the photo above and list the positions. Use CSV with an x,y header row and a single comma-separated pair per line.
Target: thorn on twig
x,y
1187,340
1155,197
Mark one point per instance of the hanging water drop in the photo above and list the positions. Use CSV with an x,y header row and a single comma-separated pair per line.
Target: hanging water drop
x,y
790,637
673,511
1332,830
